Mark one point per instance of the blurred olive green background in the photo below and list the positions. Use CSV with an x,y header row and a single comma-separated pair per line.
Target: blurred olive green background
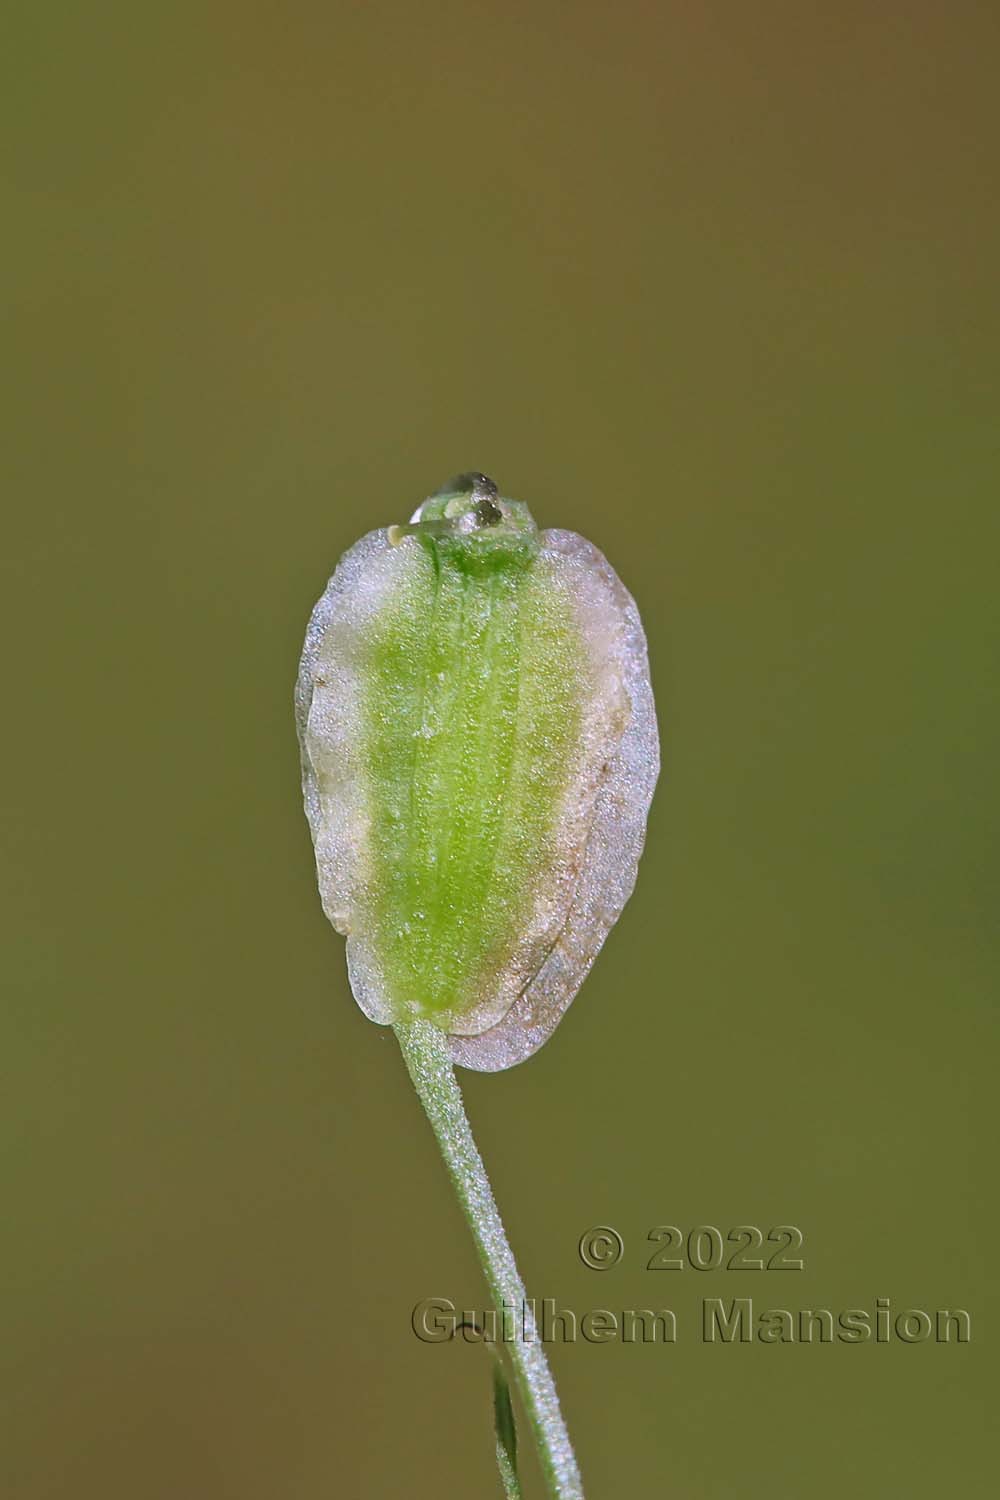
x,y
716,286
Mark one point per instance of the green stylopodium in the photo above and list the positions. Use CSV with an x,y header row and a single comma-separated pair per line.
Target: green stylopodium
x,y
479,751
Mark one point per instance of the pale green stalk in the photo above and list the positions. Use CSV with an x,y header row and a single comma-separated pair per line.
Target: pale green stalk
x,y
425,1049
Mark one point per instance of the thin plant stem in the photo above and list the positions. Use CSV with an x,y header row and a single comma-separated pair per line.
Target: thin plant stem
x,y
508,1478
425,1050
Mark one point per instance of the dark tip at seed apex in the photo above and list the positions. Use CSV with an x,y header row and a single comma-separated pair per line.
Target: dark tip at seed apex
x,y
470,483
488,514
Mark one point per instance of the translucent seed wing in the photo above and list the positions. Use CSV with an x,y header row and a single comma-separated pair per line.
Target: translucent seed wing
x,y
609,620
328,699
